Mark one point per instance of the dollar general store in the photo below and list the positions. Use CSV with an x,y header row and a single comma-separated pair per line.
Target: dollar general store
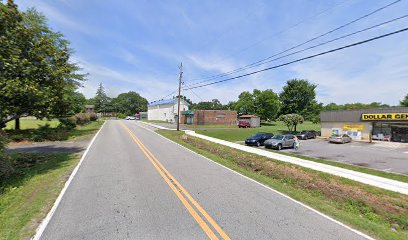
x,y
385,124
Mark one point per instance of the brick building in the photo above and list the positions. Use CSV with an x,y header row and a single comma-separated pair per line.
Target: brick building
x,y
209,117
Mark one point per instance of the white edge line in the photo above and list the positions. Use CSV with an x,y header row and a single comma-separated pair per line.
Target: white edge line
x,y
40,229
282,194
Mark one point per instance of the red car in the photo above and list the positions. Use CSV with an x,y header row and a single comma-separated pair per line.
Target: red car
x,y
244,124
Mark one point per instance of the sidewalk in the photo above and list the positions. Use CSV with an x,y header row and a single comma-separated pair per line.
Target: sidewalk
x,y
380,182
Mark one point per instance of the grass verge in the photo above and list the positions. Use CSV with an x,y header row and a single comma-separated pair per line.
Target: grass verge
x,y
380,213
154,121
393,176
53,134
212,126
28,194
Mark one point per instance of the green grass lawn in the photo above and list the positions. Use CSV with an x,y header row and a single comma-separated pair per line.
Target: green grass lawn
x,y
54,134
240,134
377,212
27,196
210,126
154,121
31,123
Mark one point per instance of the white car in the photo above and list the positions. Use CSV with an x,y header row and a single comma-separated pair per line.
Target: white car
x,y
130,118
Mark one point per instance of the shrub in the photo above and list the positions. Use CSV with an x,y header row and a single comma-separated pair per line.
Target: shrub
x,y
3,141
121,115
6,167
93,116
81,118
42,133
67,123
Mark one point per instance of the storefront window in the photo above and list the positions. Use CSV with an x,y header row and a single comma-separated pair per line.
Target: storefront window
x,y
396,132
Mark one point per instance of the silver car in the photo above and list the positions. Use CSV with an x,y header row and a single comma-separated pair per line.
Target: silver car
x,y
280,141
337,138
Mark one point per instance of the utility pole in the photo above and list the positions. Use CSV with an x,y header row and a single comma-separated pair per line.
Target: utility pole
x,y
179,92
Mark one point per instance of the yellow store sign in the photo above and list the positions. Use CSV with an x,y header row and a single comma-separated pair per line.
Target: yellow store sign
x,y
358,127
384,116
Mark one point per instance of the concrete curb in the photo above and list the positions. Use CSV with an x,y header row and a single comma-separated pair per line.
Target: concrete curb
x,y
365,178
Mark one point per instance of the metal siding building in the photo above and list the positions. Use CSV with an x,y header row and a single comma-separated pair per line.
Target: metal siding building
x,y
165,110
351,122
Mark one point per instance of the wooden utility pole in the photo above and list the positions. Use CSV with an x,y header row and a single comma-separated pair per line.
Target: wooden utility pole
x,y
179,92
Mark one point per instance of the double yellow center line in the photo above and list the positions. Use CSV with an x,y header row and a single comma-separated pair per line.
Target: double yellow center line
x,y
181,193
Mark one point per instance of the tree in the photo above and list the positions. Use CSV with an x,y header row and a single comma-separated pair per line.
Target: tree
x,y
245,103
101,99
404,102
35,68
129,103
215,104
266,104
298,96
291,120
185,99
77,102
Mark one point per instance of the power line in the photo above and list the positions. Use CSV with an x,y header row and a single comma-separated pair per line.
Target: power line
x,y
283,31
305,58
317,45
296,46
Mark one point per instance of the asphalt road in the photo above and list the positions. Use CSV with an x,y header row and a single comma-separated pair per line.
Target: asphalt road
x,y
134,184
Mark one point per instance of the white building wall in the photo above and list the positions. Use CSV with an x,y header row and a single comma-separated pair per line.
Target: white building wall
x,y
165,112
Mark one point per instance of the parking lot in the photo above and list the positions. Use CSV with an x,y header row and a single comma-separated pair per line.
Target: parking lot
x,y
385,156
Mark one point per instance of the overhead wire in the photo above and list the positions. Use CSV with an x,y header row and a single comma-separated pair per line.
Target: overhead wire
x,y
304,58
285,30
317,45
296,46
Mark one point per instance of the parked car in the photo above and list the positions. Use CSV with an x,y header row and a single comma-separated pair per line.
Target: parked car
x,y
244,124
304,135
340,138
258,139
130,118
281,141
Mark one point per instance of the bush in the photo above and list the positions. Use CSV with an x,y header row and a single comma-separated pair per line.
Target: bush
x,y
6,167
42,133
82,118
121,115
67,123
3,141
93,116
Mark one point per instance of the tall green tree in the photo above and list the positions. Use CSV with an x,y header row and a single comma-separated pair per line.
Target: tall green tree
x,y
299,96
101,100
245,103
266,104
129,103
35,68
404,102
214,104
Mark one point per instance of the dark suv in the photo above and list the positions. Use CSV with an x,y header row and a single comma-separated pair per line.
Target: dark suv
x,y
258,139
304,135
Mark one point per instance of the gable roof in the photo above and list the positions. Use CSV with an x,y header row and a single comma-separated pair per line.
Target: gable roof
x,y
166,101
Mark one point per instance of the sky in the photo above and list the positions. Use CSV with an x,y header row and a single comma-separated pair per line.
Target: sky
x,y
137,45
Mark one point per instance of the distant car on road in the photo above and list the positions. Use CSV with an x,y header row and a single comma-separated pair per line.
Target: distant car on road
x,y
304,135
337,138
281,141
258,139
130,118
